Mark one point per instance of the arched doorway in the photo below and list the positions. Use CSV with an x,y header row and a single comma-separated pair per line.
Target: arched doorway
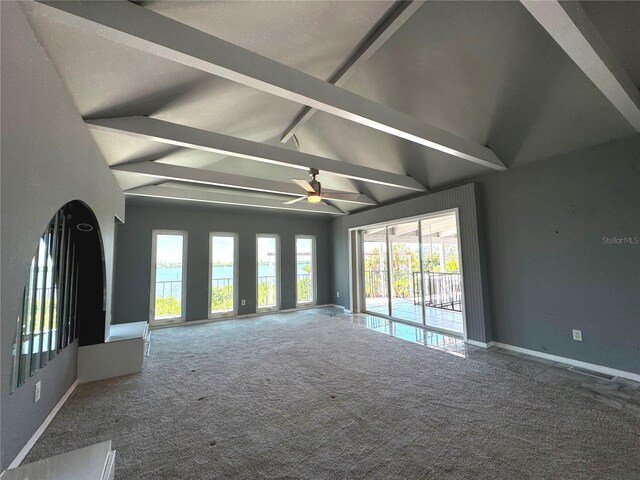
x,y
91,289
64,295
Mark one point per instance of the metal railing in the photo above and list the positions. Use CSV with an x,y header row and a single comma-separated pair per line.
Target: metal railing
x,y
443,290
305,288
221,294
375,283
168,299
222,282
267,289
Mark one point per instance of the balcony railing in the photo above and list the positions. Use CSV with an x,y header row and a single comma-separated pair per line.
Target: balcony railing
x,y
375,283
305,288
168,299
221,295
443,290
267,288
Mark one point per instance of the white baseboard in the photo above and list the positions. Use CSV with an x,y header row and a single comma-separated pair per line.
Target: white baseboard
x,y
34,438
479,344
240,317
571,361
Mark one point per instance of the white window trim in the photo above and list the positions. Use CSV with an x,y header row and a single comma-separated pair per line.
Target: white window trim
x,y
152,296
236,258
314,273
278,273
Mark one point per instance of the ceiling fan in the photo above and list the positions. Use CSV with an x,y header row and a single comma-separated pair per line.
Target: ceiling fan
x,y
315,193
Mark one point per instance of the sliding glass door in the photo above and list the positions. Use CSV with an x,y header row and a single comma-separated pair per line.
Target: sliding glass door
x,y
441,273
410,271
375,262
404,245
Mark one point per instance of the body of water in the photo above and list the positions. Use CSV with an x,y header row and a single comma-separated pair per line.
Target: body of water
x,y
168,274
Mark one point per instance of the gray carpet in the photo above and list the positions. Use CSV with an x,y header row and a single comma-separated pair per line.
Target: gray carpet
x,y
308,395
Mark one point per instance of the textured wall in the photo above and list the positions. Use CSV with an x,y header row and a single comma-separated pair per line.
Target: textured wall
x,y
463,198
134,241
549,269
48,159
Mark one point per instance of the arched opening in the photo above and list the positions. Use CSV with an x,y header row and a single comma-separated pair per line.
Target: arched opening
x,y
91,289
64,295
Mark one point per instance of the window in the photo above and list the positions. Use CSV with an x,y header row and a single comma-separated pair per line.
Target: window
x,y
305,270
47,323
167,276
268,272
223,276
410,270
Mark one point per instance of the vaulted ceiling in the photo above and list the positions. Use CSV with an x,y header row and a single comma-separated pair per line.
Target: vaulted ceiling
x,y
444,91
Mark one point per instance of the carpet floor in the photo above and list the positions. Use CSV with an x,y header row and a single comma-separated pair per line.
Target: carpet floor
x,y
310,396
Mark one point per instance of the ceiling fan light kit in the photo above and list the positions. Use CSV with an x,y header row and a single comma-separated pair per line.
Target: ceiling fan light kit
x,y
314,198
314,190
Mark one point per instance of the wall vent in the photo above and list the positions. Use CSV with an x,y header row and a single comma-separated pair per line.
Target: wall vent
x,y
591,373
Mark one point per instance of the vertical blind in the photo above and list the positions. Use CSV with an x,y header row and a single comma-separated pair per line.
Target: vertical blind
x,y
47,323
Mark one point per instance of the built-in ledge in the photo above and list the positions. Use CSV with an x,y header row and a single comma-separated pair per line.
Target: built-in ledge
x,y
121,354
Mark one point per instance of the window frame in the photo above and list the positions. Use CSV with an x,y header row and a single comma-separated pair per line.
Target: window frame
x,y
314,271
152,296
236,270
276,307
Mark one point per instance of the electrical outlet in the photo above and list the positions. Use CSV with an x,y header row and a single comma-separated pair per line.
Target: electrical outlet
x,y
338,294
243,302
577,335
36,396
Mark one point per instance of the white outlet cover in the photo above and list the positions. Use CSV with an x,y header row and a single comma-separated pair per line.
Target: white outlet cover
x,y
36,396
577,335
244,302
338,294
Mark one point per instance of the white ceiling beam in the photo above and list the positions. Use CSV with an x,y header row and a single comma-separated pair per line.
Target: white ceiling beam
x,y
449,232
438,226
225,198
188,137
414,239
179,173
397,17
137,27
404,228
569,25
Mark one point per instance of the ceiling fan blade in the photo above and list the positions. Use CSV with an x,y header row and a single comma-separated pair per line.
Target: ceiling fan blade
x,y
340,195
304,184
295,200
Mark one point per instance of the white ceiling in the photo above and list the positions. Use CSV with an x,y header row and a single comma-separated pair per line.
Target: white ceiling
x,y
485,71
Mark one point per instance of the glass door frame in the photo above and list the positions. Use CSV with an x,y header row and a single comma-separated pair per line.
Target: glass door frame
x,y
314,276
152,297
361,272
236,260
278,275
360,285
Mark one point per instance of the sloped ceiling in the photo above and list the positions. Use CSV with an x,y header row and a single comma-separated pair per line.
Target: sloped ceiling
x,y
485,71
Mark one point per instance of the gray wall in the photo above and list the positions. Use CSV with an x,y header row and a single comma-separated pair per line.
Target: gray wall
x,y
464,199
48,159
547,268
134,239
